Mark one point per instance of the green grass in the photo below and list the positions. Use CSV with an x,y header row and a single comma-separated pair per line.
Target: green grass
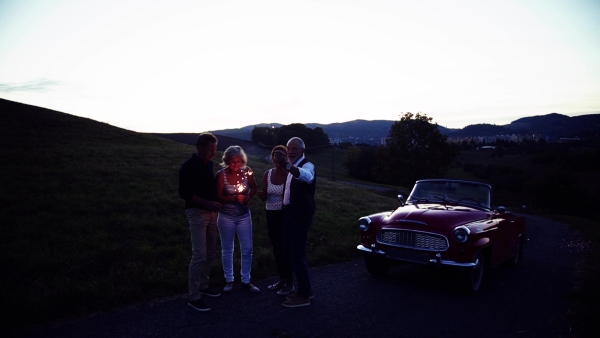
x,y
585,296
91,219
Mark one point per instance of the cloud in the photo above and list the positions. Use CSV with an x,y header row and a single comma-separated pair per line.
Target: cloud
x,y
31,86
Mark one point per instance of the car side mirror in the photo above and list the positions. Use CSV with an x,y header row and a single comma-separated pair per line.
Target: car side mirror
x,y
501,210
401,200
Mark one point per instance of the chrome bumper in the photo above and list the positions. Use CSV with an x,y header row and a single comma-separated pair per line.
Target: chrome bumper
x,y
433,261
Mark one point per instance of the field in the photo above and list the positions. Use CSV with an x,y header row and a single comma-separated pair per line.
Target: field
x,y
91,219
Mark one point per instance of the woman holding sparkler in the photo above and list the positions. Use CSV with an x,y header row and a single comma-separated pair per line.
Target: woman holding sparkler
x,y
272,193
235,187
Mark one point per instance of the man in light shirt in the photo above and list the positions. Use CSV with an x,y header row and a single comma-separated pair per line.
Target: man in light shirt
x,y
299,209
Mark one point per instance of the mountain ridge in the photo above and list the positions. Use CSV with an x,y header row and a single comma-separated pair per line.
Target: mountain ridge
x,y
551,126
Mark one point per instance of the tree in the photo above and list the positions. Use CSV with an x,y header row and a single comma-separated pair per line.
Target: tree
x,y
415,149
314,139
264,136
360,162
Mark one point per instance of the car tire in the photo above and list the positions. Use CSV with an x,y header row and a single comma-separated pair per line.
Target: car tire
x,y
518,257
473,277
377,266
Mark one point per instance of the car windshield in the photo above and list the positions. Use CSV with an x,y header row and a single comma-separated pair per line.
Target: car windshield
x,y
447,191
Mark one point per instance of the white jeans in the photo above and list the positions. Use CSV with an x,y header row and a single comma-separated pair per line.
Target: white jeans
x,y
229,226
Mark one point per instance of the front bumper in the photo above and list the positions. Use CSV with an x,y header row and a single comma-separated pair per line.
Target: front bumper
x,y
437,260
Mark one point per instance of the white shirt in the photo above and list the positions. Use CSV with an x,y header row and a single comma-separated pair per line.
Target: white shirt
x,y
274,193
307,175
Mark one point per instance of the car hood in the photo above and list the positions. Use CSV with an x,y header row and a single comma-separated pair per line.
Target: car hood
x,y
434,216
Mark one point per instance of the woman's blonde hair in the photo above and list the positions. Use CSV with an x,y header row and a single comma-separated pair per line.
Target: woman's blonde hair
x,y
231,152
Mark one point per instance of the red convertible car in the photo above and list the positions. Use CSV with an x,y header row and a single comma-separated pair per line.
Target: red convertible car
x,y
444,223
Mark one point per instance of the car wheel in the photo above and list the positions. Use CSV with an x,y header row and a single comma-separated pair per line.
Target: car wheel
x,y
473,278
518,257
377,266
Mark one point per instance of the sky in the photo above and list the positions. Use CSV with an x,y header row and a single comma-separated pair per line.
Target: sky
x,y
200,65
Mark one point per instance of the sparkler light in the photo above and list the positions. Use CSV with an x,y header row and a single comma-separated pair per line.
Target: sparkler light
x,y
247,172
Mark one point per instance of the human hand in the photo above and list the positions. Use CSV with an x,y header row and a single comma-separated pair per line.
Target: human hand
x,y
244,200
279,158
214,206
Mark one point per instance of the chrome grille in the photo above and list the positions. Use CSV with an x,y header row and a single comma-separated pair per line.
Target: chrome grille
x,y
413,239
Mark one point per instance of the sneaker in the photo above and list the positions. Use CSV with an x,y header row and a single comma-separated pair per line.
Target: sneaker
x,y
228,287
294,295
250,287
277,286
199,305
284,292
210,292
296,301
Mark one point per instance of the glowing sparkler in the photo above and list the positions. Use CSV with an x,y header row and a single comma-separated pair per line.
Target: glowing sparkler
x,y
241,185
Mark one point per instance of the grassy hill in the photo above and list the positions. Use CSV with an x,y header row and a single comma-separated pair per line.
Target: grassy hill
x,y
91,218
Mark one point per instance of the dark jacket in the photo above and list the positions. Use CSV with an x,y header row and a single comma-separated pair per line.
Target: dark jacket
x,y
197,179
302,196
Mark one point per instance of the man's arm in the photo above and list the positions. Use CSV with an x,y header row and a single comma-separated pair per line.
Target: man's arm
x,y
305,174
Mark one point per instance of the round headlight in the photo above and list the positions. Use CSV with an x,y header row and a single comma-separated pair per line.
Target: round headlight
x,y
461,234
363,223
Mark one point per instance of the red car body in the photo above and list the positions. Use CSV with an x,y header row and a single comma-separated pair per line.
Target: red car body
x,y
444,223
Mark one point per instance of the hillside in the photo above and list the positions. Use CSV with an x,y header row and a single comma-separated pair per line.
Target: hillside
x,y
91,219
89,214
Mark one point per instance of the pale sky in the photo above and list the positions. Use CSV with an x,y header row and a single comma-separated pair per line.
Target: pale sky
x,y
199,65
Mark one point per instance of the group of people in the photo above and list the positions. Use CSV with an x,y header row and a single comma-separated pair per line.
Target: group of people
x,y
220,204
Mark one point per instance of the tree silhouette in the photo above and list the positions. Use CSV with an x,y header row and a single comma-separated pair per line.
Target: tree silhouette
x,y
414,149
314,139
360,160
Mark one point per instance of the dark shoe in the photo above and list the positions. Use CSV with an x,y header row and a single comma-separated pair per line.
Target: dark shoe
x,y
199,305
294,295
228,287
249,287
296,301
210,292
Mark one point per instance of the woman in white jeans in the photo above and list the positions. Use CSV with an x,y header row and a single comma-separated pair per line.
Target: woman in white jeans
x,y
235,187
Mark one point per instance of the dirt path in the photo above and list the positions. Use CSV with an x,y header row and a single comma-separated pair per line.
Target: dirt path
x,y
529,300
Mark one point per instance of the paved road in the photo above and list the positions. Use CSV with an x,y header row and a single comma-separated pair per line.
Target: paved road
x,y
529,300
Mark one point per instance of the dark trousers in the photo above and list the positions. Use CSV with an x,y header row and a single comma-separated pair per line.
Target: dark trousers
x,y
275,230
295,234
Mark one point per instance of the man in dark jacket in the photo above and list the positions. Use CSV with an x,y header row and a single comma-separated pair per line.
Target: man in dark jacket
x,y
299,209
198,189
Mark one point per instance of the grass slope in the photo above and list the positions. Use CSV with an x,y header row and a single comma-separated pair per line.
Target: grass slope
x,y
91,218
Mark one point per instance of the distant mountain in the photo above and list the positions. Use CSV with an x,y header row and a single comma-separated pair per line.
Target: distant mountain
x,y
224,141
357,131
244,133
557,125
552,126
